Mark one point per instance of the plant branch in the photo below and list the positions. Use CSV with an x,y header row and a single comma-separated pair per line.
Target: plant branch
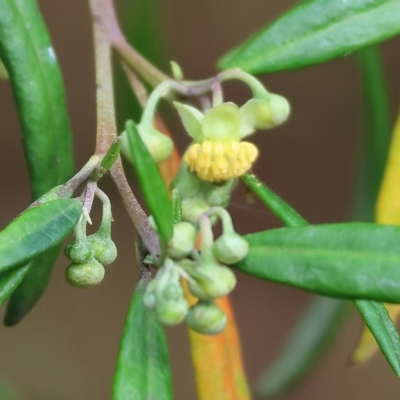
x,y
127,53
106,128
135,211
103,31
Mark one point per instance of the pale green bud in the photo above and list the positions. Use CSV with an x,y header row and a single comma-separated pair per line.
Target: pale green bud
x,y
218,281
183,240
79,251
206,318
85,275
265,113
159,145
171,312
230,248
105,251
192,208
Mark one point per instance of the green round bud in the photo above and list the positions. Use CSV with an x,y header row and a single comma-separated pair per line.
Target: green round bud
x,y
171,312
230,248
85,275
266,113
105,251
79,251
159,145
192,208
150,297
206,318
218,281
183,240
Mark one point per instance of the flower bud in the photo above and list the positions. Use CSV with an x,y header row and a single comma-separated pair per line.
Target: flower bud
x,y
230,248
79,251
171,312
206,318
265,113
85,275
105,251
183,240
216,281
159,145
192,208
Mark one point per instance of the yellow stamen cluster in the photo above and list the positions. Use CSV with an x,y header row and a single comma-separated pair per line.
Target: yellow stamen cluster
x,y
216,161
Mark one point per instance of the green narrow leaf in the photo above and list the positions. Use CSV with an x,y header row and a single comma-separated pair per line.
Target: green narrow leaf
x,y
35,76
377,319
316,31
36,230
314,331
29,57
292,365
352,260
176,205
111,155
283,211
152,186
27,294
143,370
378,129
9,281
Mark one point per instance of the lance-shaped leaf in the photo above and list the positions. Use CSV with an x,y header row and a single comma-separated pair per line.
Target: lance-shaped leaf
x,y
9,281
314,32
143,370
29,291
314,331
377,319
36,230
35,76
151,184
353,260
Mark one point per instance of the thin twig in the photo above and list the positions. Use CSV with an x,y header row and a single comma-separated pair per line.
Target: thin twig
x,y
135,211
137,86
106,128
102,14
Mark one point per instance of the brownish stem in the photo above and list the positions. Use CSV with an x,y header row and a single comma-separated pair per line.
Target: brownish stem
x,y
102,15
106,127
129,55
135,211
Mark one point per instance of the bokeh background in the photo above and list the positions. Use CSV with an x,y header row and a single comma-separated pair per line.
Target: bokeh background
x,y
66,347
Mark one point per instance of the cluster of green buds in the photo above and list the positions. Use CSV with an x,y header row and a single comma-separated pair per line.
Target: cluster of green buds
x,y
90,254
208,173
206,273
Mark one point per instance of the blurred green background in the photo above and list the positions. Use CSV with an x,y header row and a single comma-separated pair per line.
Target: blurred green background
x,y
66,347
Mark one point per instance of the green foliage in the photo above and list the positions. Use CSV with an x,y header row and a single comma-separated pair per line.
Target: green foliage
x,y
381,326
29,291
314,330
143,370
350,260
314,32
36,230
9,281
29,57
151,184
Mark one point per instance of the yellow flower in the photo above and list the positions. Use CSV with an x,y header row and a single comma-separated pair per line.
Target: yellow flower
x,y
220,160
217,154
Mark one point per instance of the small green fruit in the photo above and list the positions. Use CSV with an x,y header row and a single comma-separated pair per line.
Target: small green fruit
x,y
230,248
183,240
218,281
85,275
105,251
206,318
79,251
171,312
